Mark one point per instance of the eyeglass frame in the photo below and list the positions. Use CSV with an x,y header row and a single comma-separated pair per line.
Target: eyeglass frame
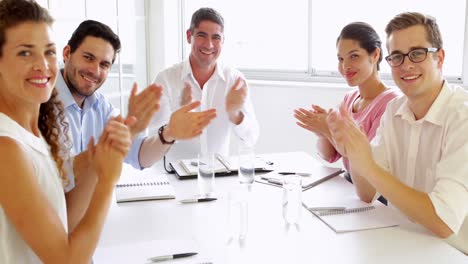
x,y
426,50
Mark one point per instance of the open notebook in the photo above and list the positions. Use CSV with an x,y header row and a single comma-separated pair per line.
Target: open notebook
x,y
354,215
135,185
224,166
311,178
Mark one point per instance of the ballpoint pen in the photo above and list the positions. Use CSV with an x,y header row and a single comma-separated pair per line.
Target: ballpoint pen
x,y
273,181
197,200
294,173
174,256
224,162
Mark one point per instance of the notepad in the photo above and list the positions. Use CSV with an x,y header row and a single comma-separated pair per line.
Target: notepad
x,y
190,166
224,166
364,217
135,185
311,178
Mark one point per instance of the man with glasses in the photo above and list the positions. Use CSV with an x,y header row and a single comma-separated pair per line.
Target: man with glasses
x,y
414,55
419,157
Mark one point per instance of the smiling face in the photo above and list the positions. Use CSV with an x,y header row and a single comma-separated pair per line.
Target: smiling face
x,y
28,66
354,63
87,68
421,79
207,42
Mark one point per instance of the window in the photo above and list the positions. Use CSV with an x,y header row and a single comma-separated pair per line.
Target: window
x,y
274,42
299,36
127,19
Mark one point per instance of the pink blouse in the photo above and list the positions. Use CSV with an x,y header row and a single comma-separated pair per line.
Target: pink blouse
x,y
369,117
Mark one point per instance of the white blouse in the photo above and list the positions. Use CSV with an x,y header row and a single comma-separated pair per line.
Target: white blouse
x,y
13,249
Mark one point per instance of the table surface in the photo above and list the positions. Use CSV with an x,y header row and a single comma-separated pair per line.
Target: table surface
x,y
132,229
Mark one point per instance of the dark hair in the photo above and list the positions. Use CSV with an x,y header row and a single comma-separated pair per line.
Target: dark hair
x,y
54,129
408,19
14,12
94,29
206,13
51,114
366,35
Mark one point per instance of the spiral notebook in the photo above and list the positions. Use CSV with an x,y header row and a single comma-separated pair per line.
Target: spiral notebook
x,y
135,185
356,218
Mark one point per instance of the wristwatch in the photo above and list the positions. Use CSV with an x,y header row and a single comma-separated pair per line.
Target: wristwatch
x,y
161,137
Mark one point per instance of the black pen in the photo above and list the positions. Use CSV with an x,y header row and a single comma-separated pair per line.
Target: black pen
x,y
294,173
197,200
167,257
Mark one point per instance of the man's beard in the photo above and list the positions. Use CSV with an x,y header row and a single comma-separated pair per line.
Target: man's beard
x,y
73,88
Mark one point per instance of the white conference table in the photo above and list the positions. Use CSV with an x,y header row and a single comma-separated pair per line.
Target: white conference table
x,y
136,225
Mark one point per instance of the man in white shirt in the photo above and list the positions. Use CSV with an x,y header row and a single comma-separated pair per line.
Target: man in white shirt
x,y
418,158
202,77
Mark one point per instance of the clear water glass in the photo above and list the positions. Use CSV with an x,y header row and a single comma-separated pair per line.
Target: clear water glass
x,y
238,214
292,198
246,165
206,183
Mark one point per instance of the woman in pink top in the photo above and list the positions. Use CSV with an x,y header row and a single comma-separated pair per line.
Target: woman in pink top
x,y
359,55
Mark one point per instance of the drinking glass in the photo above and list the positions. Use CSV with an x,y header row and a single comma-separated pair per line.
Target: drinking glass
x,y
246,165
292,201
206,166
238,214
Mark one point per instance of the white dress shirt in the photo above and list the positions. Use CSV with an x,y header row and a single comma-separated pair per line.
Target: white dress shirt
x,y
216,137
431,154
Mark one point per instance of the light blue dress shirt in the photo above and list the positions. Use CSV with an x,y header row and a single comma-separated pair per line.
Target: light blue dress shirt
x,y
91,120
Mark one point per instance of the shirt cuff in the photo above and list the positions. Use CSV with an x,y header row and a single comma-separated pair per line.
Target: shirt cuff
x,y
445,212
335,158
247,130
133,155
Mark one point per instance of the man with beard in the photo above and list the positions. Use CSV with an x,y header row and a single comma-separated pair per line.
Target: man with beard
x,y
88,58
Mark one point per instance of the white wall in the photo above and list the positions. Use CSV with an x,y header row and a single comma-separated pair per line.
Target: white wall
x,y
274,103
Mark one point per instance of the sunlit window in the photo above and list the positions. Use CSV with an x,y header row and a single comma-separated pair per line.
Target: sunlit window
x,y
127,19
300,35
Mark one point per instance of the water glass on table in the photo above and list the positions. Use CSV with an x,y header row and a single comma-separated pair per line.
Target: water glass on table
x,y
246,165
206,165
292,198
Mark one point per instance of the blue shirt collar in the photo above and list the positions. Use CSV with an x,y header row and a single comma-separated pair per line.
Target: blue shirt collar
x,y
66,97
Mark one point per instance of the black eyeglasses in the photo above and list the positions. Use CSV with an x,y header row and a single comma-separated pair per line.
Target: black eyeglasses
x,y
415,55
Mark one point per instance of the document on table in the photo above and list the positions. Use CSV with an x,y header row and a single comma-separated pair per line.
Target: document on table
x,y
137,185
353,215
